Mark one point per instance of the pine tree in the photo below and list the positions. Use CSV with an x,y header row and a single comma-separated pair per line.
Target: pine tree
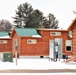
x,y
27,17
51,22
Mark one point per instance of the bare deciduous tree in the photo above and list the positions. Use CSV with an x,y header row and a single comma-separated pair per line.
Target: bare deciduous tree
x,y
5,25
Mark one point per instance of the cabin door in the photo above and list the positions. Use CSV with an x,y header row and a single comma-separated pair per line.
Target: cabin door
x,y
59,42
52,50
56,45
16,47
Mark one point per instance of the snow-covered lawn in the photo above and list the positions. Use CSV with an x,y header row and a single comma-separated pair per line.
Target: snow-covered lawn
x,y
36,64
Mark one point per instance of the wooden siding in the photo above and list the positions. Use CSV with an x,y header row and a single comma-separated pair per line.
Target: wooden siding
x,y
6,47
74,38
42,46
64,36
15,36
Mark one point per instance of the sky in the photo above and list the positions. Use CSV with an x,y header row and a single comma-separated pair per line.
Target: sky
x,y
62,9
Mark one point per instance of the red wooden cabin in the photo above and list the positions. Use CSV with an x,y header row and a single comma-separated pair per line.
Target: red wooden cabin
x,y
72,28
40,42
36,42
5,42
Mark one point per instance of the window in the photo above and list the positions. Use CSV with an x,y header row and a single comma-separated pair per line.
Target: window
x,y
16,47
30,41
3,41
68,45
55,33
16,44
70,34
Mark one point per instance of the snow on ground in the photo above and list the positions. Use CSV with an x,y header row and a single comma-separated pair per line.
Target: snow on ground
x,y
36,64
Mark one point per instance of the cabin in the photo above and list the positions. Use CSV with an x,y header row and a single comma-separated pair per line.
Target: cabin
x,y
72,31
25,41
42,42
5,42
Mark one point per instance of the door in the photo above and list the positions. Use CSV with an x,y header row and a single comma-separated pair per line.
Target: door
x,y
51,55
15,46
59,41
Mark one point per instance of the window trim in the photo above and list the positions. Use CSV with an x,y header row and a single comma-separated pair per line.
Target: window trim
x,y
55,33
33,40
71,46
16,42
3,42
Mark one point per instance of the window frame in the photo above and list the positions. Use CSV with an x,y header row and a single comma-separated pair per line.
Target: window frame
x,y
56,33
16,44
69,45
32,41
3,41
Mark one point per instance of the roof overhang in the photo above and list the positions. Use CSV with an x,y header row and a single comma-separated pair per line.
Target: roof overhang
x,y
71,24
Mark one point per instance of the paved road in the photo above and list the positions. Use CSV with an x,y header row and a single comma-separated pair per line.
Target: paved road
x,y
37,73
40,71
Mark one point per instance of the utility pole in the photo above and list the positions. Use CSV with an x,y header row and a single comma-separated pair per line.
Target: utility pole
x,y
16,50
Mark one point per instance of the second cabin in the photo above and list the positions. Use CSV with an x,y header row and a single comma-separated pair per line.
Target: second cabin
x,y
5,42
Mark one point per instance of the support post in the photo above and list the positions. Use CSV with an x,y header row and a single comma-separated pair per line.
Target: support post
x,y
16,57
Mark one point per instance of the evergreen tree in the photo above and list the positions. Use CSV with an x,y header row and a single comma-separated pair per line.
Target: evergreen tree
x,y
22,14
35,19
51,22
27,17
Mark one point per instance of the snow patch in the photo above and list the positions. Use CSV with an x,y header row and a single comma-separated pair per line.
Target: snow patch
x,y
37,36
5,37
35,64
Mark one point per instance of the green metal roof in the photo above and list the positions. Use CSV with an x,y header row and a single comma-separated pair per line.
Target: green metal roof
x,y
27,31
4,34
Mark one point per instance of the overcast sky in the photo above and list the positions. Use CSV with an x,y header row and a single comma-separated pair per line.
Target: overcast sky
x,y
62,9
